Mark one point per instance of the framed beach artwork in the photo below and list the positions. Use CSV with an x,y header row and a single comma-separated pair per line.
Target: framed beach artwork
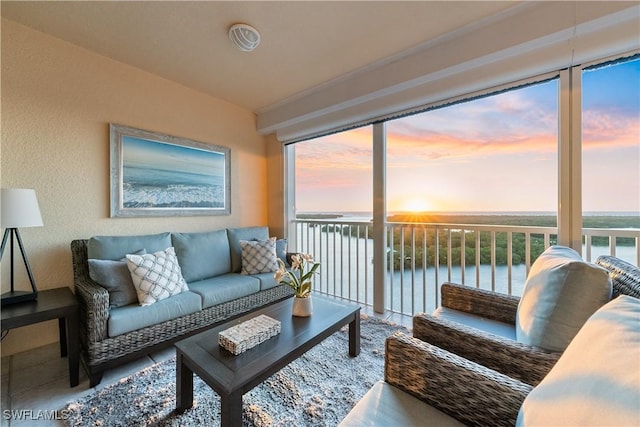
x,y
154,174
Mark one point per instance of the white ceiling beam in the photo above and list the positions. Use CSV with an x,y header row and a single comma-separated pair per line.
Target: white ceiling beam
x,y
524,41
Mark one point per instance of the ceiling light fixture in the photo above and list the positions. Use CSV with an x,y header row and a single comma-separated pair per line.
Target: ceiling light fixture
x,y
245,37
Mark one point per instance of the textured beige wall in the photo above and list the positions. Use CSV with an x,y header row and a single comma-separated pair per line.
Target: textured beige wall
x,y
275,185
57,103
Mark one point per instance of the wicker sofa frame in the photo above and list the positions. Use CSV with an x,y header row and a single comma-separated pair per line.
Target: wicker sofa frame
x,y
523,362
100,352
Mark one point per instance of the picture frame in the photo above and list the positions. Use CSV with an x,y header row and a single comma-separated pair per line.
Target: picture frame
x,y
154,174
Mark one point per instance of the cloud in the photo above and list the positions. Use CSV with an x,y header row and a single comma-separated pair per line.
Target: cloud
x,y
609,130
431,146
347,150
507,123
521,123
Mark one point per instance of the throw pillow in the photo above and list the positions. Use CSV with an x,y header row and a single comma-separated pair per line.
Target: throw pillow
x,y
156,276
560,294
259,256
243,233
114,276
281,250
596,381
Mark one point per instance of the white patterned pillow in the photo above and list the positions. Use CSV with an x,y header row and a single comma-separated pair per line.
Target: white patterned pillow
x,y
156,276
259,256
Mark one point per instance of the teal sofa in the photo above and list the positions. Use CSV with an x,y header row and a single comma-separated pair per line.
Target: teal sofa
x,y
115,328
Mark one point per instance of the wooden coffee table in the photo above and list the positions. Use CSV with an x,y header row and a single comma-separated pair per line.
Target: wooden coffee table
x,y
232,376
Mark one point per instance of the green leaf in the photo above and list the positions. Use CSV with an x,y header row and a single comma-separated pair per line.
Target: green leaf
x,y
305,289
310,273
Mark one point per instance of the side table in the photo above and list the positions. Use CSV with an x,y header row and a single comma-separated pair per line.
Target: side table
x,y
59,304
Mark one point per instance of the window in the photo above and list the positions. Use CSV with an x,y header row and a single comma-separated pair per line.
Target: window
x,y
611,153
472,189
333,173
333,182
492,154
490,160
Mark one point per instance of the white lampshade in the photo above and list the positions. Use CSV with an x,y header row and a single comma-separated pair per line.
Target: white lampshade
x,y
20,208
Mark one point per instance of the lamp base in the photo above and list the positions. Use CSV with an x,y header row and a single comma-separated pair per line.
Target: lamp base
x,y
15,297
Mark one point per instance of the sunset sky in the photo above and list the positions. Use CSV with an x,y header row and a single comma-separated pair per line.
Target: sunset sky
x,y
492,154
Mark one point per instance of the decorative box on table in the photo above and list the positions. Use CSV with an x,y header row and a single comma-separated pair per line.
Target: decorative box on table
x,y
246,335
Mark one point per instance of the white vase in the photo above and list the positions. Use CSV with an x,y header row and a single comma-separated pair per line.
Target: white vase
x,y
302,307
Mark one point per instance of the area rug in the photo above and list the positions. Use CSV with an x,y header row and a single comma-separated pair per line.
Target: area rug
x,y
317,389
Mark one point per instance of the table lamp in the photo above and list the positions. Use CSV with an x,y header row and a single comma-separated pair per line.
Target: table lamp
x,y
19,208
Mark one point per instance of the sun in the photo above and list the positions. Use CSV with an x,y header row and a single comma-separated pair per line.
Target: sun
x,y
416,204
414,209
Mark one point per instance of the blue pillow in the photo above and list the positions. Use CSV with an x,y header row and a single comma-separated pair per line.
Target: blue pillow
x,y
115,277
281,250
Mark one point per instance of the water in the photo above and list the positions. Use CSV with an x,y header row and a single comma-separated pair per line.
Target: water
x,y
151,188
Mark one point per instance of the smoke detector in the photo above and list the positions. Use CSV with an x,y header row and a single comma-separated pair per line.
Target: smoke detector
x,y
245,37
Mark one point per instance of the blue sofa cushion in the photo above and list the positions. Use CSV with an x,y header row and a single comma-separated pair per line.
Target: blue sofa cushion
x,y
245,233
131,317
202,255
116,247
224,288
266,280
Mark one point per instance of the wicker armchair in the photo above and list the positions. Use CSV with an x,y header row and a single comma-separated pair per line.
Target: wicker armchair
x,y
467,391
523,362
426,385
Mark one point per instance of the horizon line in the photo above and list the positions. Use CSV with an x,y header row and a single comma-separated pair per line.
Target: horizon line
x,y
629,213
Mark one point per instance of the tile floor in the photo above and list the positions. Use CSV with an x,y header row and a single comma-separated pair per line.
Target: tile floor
x,y
35,383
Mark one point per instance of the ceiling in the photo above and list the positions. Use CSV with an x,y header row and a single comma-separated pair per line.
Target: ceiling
x,y
304,43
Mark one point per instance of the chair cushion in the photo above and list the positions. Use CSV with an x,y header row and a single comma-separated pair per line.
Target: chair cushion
x,y
156,276
386,405
560,294
491,326
202,255
596,381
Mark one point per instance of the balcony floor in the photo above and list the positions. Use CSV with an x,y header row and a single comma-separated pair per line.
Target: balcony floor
x,y
38,379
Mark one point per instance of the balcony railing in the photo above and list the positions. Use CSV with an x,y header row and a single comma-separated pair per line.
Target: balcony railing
x,y
420,256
